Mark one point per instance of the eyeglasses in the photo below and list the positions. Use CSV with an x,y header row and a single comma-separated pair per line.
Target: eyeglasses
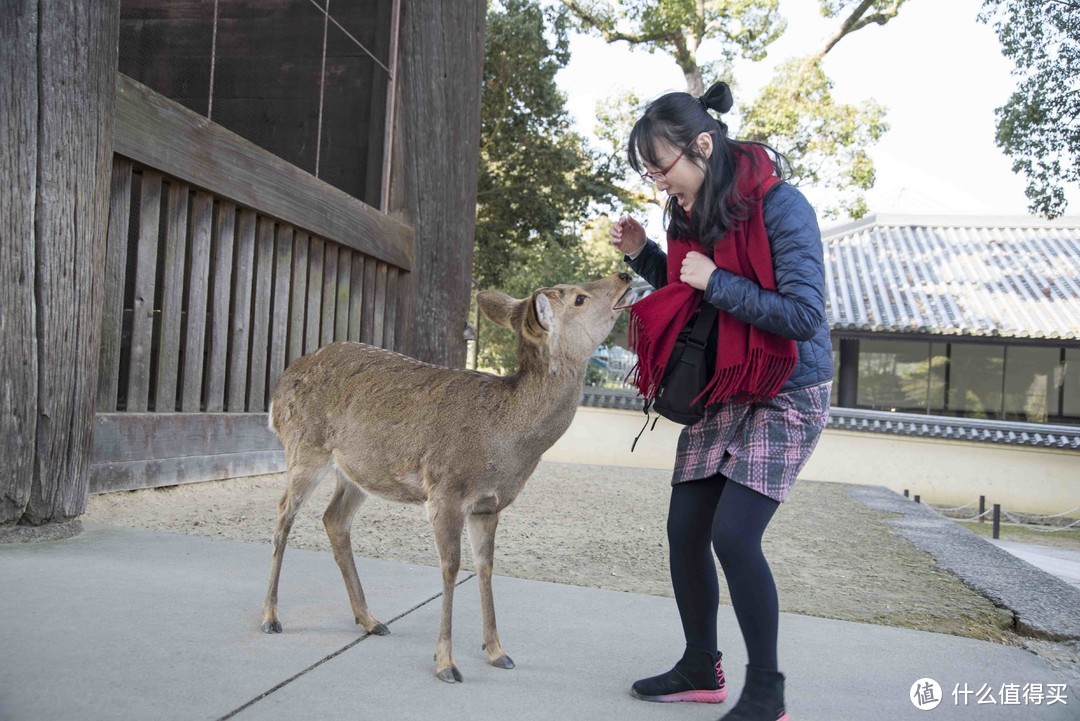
x,y
656,177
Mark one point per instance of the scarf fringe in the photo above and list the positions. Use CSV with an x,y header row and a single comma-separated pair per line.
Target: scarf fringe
x,y
648,376
761,376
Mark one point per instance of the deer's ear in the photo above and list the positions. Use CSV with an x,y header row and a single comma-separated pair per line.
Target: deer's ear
x,y
542,311
498,307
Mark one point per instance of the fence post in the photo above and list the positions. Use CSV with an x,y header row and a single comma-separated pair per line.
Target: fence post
x,y
997,520
917,498
982,508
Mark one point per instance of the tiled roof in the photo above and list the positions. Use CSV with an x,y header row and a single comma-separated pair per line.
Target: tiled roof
x,y
1016,277
1042,435
626,398
1010,433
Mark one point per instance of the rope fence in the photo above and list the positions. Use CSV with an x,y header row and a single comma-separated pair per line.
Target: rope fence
x,y
1052,523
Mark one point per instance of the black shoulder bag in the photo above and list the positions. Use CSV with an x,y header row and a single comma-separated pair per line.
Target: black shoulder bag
x,y
688,370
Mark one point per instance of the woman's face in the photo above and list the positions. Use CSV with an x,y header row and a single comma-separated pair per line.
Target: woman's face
x,y
684,178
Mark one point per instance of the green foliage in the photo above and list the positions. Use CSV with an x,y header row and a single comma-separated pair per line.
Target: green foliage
x,y
538,179
826,141
1038,127
795,113
744,29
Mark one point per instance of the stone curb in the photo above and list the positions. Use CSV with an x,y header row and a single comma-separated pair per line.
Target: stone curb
x,y
1043,606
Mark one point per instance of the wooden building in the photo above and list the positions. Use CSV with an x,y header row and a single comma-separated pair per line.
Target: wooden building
x,y
956,316
198,193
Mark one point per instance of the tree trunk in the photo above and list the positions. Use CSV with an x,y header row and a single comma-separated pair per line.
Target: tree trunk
x,y
57,76
435,160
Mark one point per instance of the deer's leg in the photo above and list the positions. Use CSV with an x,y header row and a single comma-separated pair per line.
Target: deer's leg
x,y
482,537
447,523
346,501
303,478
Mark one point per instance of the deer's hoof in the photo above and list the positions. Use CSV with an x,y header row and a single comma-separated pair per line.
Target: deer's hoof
x,y
380,629
450,675
271,627
503,662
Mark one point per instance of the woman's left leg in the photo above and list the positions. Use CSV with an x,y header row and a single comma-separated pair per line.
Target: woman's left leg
x,y
739,523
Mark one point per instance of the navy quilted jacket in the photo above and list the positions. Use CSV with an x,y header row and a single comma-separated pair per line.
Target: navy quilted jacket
x,y
796,309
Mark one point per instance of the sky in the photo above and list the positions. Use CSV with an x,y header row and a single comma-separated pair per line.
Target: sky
x,y
938,71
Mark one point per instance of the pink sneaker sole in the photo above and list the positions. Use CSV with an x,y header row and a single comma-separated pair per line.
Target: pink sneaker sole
x,y
716,696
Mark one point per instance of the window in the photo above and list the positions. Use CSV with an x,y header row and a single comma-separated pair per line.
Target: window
x,y
1025,383
1070,389
303,79
974,380
1032,380
893,375
937,387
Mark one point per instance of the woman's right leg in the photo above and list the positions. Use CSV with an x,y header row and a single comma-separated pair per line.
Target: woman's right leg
x,y
698,675
693,571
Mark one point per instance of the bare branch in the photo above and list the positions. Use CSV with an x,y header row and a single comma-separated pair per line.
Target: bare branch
x,y
855,21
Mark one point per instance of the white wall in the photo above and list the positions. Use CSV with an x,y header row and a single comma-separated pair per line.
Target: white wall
x,y
942,472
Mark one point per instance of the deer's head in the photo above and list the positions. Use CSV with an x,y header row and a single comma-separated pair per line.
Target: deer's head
x,y
559,326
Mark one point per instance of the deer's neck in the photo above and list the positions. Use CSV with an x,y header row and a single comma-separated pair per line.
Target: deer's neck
x,y
547,393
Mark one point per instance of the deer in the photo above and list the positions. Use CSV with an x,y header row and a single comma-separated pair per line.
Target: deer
x,y
461,442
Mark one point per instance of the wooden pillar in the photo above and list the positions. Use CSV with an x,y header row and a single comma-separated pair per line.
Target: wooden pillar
x,y
849,372
434,166
57,87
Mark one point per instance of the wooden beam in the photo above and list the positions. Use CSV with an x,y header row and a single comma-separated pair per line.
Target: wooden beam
x,y
111,477
164,135
435,160
18,342
150,450
123,437
57,81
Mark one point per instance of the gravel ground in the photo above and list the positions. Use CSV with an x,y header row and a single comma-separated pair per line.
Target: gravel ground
x,y
603,527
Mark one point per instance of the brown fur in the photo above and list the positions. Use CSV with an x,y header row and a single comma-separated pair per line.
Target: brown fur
x,y
459,441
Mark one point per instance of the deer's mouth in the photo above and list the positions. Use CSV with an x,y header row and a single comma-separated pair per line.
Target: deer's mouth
x,y
627,299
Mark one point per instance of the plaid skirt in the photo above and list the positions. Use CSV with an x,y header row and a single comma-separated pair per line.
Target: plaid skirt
x,y
762,445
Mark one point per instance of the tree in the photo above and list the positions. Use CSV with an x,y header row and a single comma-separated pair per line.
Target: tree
x,y
1038,127
538,179
826,141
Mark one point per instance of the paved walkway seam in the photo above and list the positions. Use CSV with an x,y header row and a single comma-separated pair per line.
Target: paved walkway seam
x,y
335,654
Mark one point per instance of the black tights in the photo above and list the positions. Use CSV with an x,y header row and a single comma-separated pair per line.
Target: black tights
x,y
732,518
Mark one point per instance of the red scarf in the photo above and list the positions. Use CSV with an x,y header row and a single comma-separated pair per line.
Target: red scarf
x,y
750,363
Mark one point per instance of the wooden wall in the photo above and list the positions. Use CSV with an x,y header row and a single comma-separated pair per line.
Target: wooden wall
x,y
224,264
194,265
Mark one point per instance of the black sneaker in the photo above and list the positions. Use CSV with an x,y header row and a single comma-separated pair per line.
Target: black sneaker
x,y
697,677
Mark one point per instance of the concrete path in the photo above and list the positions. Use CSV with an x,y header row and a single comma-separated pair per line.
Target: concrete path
x,y
121,624
1061,562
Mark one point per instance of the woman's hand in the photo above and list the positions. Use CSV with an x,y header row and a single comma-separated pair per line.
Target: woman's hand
x,y
627,235
696,270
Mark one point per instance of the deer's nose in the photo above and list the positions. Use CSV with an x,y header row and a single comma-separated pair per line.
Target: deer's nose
x,y
624,277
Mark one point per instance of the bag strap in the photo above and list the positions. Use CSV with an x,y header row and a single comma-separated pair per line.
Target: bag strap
x,y
699,337
706,319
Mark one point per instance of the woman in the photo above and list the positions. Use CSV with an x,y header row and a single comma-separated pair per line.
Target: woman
x,y
748,243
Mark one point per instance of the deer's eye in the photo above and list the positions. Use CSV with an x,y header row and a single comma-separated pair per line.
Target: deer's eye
x,y
579,300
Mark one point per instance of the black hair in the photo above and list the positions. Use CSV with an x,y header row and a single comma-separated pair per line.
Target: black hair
x,y
677,119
